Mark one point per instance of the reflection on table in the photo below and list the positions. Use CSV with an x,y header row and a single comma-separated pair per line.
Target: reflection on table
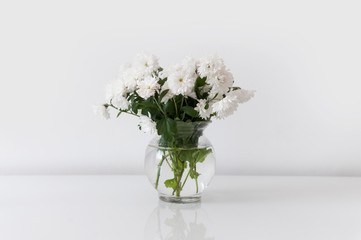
x,y
178,221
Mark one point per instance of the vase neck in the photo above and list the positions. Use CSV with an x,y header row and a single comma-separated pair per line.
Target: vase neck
x,y
187,135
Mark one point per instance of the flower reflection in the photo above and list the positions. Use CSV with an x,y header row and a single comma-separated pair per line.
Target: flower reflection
x,y
178,221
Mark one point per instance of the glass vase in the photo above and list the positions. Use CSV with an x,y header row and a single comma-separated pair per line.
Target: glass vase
x,y
181,168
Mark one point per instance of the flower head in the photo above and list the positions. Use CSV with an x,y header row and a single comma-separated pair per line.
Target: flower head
x,y
147,125
146,63
179,82
229,103
120,102
189,66
243,95
116,87
208,66
203,109
147,87
129,78
220,82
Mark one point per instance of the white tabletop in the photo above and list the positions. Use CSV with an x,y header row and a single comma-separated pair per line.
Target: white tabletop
x,y
126,207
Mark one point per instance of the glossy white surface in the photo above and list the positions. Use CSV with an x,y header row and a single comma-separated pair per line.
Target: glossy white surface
x,y
126,207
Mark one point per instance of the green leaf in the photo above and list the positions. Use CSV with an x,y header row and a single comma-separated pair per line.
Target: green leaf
x,y
235,88
162,94
201,154
190,111
193,173
148,104
150,112
119,113
162,81
167,128
186,155
171,183
170,108
135,107
200,82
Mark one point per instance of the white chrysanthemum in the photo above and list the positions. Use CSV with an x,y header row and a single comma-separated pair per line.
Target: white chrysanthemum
x,y
146,63
169,70
102,111
220,82
147,125
189,66
229,104
208,66
130,77
120,102
147,87
225,107
181,83
201,109
115,88
242,95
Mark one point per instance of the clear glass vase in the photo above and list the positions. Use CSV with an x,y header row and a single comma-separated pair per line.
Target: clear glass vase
x,y
182,167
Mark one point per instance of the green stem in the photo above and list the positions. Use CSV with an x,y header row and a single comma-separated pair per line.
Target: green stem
x,y
196,184
178,173
182,102
196,178
169,164
179,187
158,172
184,182
160,108
181,105
175,106
111,105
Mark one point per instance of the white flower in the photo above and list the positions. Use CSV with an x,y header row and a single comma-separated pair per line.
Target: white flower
x,y
115,88
220,82
147,125
201,109
146,63
243,95
225,107
229,104
102,111
119,101
147,87
208,66
130,77
181,83
189,66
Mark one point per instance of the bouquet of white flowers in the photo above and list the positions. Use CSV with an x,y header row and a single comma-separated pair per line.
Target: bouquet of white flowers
x,y
196,90
173,102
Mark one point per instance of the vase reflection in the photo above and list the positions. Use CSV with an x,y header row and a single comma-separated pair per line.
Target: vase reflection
x,y
178,221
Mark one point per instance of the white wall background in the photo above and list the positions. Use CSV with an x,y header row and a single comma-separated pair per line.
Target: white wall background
x,y
302,57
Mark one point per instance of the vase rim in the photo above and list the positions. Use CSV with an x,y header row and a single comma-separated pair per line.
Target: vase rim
x,y
204,122
197,124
